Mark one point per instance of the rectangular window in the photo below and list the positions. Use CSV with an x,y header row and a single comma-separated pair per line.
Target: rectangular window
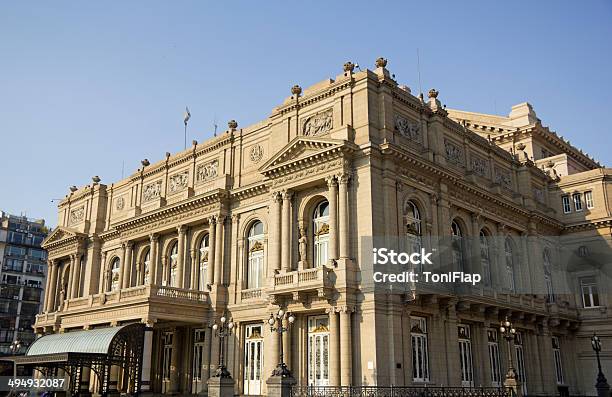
x,y
588,199
566,204
577,201
494,363
420,355
557,355
590,293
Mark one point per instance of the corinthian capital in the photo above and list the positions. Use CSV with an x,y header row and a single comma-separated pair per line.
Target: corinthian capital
x,y
287,195
331,180
344,178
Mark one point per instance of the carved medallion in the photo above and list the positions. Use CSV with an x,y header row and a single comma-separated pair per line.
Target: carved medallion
x,y
152,191
408,129
256,153
318,124
77,215
208,171
119,203
178,182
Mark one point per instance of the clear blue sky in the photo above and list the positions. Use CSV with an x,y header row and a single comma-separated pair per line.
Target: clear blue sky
x,y
87,85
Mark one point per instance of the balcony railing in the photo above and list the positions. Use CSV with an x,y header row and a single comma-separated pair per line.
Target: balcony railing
x,y
398,391
303,280
254,293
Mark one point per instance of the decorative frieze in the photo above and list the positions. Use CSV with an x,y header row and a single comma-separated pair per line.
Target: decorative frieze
x,y
318,124
502,176
538,194
408,129
119,203
77,215
178,182
152,191
206,172
479,165
454,153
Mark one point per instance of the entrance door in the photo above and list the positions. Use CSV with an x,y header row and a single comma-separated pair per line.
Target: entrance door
x,y
318,351
253,359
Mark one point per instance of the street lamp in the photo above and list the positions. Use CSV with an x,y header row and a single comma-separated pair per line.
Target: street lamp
x,y
14,347
222,329
603,389
277,319
508,332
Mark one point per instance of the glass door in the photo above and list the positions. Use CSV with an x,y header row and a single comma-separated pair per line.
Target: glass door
x,y
465,354
318,351
253,359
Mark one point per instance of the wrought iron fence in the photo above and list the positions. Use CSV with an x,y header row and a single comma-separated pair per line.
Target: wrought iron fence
x,y
398,391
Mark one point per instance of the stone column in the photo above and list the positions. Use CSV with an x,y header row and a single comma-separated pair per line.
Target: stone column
x,y
287,345
219,250
334,347
76,285
180,258
195,268
346,358
286,232
126,269
332,184
122,266
407,347
103,275
175,363
343,215
146,358
212,242
51,281
484,346
476,261
71,277
206,353
275,231
154,242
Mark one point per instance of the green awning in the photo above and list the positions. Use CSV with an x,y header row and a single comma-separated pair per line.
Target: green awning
x,y
96,341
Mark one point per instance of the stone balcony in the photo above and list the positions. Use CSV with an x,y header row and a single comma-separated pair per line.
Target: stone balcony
x,y
316,281
150,301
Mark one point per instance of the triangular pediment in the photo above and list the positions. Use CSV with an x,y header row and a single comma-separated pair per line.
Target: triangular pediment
x,y
301,149
60,233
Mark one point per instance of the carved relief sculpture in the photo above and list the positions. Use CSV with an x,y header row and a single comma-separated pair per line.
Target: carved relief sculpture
x,y
77,215
256,153
318,124
152,191
502,177
479,166
303,245
453,152
119,203
208,171
408,129
178,181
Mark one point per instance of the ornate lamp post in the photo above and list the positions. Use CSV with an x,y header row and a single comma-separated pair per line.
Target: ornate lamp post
x,y
277,319
602,386
508,333
14,348
223,329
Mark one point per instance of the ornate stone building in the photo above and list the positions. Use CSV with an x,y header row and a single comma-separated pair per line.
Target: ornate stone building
x,y
279,214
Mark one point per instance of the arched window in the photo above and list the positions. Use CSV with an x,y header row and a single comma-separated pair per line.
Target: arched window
x,y
509,251
115,273
485,257
146,266
255,263
321,233
173,265
457,244
412,222
550,296
204,250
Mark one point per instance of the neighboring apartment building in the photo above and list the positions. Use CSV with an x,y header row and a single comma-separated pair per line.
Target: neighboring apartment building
x,y
278,214
23,265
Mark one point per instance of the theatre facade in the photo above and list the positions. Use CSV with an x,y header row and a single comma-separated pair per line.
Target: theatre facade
x,y
283,214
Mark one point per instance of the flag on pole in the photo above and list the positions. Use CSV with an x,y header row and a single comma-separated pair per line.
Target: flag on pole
x,y
187,115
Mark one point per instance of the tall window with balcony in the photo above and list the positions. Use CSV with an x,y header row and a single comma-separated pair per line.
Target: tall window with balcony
x,y
203,262
485,257
115,273
550,296
457,245
465,355
255,262
412,222
321,234
420,353
509,254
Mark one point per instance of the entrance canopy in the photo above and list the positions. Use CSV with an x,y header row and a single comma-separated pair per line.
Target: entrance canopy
x,y
96,349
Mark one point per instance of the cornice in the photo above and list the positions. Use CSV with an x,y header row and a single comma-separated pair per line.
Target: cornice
x,y
252,190
317,96
589,225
